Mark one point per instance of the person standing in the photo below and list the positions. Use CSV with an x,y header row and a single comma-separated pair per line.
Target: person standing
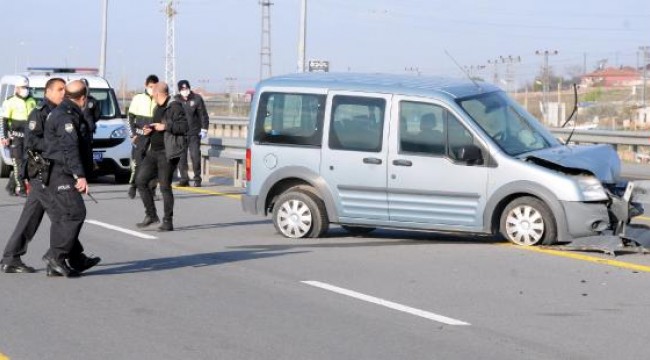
x,y
16,109
167,142
140,115
198,122
64,144
92,112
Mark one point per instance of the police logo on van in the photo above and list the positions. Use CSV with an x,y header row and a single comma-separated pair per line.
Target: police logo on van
x,y
32,125
69,127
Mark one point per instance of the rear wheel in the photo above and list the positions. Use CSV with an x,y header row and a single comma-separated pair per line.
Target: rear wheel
x,y
300,214
528,221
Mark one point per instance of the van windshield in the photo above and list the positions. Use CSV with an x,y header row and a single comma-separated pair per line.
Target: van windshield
x,y
510,126
105,97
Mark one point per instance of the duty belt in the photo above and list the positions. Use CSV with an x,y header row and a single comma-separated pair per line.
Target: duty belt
x,y
139,131
17,134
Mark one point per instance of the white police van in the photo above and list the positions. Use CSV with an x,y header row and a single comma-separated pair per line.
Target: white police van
x,y
111,146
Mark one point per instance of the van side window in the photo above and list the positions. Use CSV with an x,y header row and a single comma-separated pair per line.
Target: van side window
x,y
291,119
458,138
422,128
357,123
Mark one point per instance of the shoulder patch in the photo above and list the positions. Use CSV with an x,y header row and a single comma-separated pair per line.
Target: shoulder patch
x,y
192,103
69,127
32,125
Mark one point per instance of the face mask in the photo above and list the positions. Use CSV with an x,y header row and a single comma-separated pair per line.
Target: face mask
x,y
185,93
149,91
23,93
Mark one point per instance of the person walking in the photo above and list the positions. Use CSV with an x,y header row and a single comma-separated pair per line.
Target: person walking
x,y
198,122
64,144
140,116
16,109
167,142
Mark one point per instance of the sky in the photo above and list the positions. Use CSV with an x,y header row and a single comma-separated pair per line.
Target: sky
x,y
220,39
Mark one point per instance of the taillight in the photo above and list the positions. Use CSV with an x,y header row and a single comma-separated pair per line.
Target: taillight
x,y
248,165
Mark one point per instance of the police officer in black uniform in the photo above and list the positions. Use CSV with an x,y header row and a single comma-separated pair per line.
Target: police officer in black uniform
x,y
92,112
198,122
64,144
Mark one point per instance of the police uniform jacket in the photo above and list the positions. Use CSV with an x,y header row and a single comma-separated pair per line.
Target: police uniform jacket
x,y
65,138
197,115
92,112
15,112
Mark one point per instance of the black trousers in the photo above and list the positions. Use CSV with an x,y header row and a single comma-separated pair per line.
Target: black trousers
x,y
30,219
67,215
16,151
155,165
194,148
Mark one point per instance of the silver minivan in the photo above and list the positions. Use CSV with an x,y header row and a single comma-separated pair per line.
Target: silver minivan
x,y
373,151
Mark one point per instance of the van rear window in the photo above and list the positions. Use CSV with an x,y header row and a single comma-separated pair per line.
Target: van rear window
x,y
291,119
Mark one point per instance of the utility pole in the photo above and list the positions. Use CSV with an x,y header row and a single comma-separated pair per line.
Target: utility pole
x,y
510,76
170,52
230,81
102,55
265,47
495,67
302,43
547,80
645,50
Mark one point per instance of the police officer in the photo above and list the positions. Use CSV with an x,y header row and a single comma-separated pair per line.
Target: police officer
x,y
140,115
167,142
92,112
198,122
16,109
64,142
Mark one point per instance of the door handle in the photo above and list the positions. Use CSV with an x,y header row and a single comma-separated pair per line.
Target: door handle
x,y
373,161
400,162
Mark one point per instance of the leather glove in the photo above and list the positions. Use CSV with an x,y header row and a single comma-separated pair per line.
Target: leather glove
x,y
203,134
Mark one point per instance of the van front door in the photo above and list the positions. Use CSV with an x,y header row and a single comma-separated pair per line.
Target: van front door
x,y
430,181
354,154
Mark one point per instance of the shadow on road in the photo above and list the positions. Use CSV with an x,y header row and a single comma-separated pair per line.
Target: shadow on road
x,y
339,238
220,225
185,261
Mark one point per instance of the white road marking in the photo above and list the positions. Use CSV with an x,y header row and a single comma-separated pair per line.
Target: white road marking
x,y
123,230
386,303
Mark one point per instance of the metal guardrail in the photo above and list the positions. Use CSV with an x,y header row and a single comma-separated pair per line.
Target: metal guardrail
x,y
227,139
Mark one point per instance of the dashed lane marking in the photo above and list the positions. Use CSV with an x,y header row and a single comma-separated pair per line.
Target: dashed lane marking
x,y
592,259
386,303
207,192
120,229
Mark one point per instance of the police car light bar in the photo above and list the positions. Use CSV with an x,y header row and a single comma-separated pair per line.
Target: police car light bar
x,y
61,70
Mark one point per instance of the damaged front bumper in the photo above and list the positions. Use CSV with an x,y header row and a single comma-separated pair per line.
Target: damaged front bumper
x,y
619,235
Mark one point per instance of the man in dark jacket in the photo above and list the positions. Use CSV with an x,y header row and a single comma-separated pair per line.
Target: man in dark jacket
x,y
64,142
198,121
167,142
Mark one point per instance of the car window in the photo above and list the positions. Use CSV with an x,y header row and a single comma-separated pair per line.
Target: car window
x,y
105,97
357,123
421,128
292,119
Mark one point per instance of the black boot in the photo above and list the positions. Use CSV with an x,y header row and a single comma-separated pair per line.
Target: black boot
x,y
60,267
148,220
132,191
166,226
82,262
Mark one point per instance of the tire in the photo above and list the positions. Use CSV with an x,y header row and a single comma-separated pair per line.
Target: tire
x,y
358,230
122,177
300,214
528,221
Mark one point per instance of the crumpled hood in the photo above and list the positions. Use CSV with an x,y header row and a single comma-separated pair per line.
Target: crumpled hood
x,y
600,160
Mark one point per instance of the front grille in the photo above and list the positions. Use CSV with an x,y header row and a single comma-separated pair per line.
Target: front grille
x,y
107,143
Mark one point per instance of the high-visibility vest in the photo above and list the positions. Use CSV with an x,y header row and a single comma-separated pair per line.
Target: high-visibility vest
x,y
16,108
142,105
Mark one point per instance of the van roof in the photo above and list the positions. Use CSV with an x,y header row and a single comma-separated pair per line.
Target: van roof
x,y
382,83
38,80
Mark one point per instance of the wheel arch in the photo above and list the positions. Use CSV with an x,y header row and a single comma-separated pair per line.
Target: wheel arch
x,y
294,176
509,192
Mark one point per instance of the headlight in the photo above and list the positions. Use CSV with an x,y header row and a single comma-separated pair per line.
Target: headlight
x,y
120,132
591,188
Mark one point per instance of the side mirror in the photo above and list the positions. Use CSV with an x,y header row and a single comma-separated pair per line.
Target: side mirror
x,y
470,154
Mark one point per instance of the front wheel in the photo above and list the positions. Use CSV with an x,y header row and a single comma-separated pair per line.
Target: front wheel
x,y
528,221
300,214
